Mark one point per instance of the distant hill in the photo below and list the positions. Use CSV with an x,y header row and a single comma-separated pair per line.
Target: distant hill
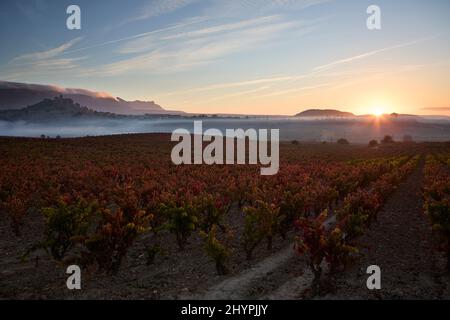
x,y
323,113
61,109
15,95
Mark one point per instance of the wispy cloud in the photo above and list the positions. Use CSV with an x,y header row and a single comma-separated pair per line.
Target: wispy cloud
x,y
42,68
296,90
144,36
232,8
192,42
167,53
154,8
270,79
295,84
236,94
48,54
369,54
436,108
224,27
159,38
226,85
41,63
379,74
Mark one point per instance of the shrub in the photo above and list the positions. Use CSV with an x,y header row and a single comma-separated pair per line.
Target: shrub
x,y
359,208
343,141
115,233
181,220
437,202
16,209
291,207
439,214
216,250
387,139
322,245
211,211
373,143
63,223
262,220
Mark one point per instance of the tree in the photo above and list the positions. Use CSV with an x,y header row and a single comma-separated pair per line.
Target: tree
x,y
387,139
343,141
373,143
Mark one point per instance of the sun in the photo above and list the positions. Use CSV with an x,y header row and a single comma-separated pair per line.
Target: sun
x,y
378,112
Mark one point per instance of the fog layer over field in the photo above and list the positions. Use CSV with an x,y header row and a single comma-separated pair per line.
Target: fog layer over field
x,y
359,131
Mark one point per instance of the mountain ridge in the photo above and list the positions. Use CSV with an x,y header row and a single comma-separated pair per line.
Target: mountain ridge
x,y
61,109
324,113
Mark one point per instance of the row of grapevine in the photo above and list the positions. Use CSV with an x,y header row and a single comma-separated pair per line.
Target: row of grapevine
x,y
95,204
334,244
436,193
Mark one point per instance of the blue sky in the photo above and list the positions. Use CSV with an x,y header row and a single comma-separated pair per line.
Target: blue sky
x,y
249,56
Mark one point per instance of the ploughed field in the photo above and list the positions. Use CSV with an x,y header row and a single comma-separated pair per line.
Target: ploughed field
x,y
141,227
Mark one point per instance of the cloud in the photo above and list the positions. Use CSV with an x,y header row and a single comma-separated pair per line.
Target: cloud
x,y
235,94
48,54
193,42
436,108
224,27
156,8
42,63
273,79
42,68
144,36
232,8
43,87
297,89
169,53
158,38
235,84
369,54
278,85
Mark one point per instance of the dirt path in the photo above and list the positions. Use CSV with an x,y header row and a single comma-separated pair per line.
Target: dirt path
x,y
280,276
235,287
401,244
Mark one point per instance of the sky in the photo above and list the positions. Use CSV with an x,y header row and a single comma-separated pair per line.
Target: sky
x,y
246,57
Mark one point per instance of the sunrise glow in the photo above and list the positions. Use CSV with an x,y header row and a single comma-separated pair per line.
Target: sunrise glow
x,y
378,112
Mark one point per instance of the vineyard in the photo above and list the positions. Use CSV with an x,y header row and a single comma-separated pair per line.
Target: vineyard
x,y
142,227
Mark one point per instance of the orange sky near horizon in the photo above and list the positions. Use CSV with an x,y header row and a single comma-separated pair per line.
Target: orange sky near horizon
x,y
418,90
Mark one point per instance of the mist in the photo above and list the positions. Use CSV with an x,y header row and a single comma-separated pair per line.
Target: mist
x,y
290,129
